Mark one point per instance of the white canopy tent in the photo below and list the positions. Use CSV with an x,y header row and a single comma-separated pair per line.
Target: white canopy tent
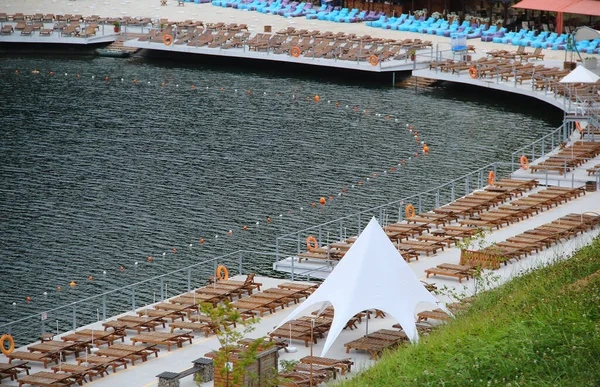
x,y
372,274
586,33
580,75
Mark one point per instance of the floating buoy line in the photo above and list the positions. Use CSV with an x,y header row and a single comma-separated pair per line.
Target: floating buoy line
x,y
421,147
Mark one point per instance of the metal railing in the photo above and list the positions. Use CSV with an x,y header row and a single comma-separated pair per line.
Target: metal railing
x,y
126,298
543,146
293,243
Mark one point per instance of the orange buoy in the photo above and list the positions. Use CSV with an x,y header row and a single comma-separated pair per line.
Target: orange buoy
x,y
268,219
248,92
230,233
360,183
106,79
174,250
403,161
28,299
314,204
425,148
135,82
222,89
356,108
90,278
322,200
149,259
162,84
245,227
51,73
122,268
201,241
16,71
387,117
73,284
317,98
337,104
311,243
330,197
193,87
344,190
374,175
58,288
392,169
366,112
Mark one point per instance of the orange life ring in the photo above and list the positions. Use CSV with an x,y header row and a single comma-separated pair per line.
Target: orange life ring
x,y
222,273
491,178
473,72
311,243
168,40
410,211
578,126
296,51
11,346
524,162
373,60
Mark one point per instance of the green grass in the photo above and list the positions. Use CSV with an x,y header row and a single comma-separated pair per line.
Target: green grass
x,y
541,329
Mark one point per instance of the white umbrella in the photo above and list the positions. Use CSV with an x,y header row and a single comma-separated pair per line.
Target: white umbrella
x,y
580,75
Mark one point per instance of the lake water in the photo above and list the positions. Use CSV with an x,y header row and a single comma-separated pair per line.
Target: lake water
x,y
98,175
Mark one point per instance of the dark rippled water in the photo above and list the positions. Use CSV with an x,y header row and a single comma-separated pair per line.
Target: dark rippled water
x,y
97,175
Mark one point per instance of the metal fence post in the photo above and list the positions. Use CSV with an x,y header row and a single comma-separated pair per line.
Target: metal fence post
x,y
162,289
467,186
452,196
74,317
241,263
298,240
132,299
320,236
420,204
189,280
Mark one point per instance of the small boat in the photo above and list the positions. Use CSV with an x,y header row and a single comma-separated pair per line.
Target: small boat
x,y
113,53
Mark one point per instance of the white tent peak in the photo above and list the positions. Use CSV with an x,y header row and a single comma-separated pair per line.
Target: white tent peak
x,y
580,75
372,275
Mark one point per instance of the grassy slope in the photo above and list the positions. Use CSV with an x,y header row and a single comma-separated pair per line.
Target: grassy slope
x,y
539,329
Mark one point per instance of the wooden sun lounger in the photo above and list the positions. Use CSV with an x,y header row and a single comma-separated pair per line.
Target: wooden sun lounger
x,y
373,345
194,326
447,272
436,314
13,369
49,379
122,354
89,371
113,362
163,338
344,365
44,358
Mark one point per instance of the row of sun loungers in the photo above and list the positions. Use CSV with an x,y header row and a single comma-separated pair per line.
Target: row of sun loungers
x,y
518,246
419,235
568,158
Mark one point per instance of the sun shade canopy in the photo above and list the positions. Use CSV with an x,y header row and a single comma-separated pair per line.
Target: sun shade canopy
x,y
372,275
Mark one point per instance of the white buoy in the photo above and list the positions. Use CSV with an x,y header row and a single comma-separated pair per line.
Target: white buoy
x,y
104,272
190,245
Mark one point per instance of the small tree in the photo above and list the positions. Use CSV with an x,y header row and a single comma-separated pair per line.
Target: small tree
x,y
230,327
